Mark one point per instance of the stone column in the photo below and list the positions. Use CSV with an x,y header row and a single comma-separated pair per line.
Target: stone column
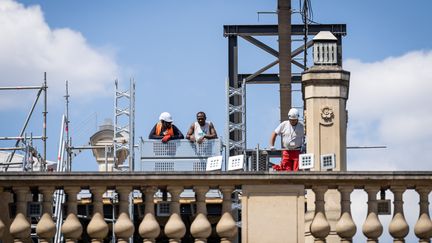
x,y
149,228
273,208
175,229
97,229
226,227
201,227
71,228
372,227
46,228
20,227
346,227
423,227
320,227
124,227
398,227
5,198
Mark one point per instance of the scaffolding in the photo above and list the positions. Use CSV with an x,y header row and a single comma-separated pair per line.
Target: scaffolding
x,y
27,140
124,132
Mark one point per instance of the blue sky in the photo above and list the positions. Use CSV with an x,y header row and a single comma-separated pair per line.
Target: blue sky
x,y
176,52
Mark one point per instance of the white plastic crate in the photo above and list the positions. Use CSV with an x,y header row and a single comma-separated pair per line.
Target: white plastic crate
x,y
214,163
328,161
236,162
306,161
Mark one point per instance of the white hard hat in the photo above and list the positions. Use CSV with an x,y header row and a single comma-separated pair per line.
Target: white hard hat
x,y
165,116
293,114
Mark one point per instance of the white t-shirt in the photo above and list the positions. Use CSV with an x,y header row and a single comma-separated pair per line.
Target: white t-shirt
x,y
201,131
292,136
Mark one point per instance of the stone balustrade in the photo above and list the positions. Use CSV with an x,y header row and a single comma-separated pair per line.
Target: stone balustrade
x,y
20,188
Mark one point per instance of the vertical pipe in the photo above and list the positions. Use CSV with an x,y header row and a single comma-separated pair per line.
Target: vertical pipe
x,y
115,122
284,30
60,149
68,158
45,112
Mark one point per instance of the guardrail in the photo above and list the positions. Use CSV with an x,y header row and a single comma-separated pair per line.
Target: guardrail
x,y
176,155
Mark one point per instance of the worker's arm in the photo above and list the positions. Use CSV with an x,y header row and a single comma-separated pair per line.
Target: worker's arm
x,y
177,133
212,132
189,134
152,134
272,140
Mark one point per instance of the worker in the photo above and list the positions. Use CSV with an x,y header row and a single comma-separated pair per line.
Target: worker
x,y
165,130
201,130
292,132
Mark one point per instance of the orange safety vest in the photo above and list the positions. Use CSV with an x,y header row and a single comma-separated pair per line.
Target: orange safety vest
x,y
169,131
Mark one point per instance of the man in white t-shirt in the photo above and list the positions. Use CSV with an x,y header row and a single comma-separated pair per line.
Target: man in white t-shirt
x,y
292,132
201,129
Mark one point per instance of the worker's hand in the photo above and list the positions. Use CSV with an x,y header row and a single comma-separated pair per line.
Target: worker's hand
x,y
200,140
166,138
272,148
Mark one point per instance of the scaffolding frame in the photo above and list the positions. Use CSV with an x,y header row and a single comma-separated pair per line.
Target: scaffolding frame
x,y
119,127
22,137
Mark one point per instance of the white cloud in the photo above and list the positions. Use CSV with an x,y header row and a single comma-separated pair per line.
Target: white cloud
x,y
30,47
389,104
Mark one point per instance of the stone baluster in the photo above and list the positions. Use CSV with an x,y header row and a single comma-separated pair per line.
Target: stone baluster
x,y
97,229
201,227
2,224
320,227
398,227
20,228
46,228
346,227
123,228
372,227
226,227
72,228
149,228
423,227
175,229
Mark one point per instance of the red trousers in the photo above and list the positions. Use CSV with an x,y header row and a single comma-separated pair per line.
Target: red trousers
x,y
290,161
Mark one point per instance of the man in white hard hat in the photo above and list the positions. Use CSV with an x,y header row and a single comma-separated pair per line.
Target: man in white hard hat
x,y
292,132
165,130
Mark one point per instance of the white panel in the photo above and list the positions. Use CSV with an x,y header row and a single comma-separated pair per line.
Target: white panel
x,y
306,161
214,163
328,161
236,162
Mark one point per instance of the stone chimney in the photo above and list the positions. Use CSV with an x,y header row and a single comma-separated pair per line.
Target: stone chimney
x,y
326,87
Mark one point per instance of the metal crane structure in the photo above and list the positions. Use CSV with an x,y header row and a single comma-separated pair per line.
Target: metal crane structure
x,y
284,31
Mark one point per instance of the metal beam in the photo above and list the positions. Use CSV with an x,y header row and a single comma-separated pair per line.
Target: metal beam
x,y
261,45
269,30
261,70
301,49
268,78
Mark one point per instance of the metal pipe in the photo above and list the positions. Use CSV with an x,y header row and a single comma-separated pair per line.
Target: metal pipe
x,y
20,138
11,148
45,112
60,148
367,147
90,147
68,158
21,87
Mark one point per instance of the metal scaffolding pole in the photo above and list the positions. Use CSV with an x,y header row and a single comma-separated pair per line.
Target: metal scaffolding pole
x,y
45,112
